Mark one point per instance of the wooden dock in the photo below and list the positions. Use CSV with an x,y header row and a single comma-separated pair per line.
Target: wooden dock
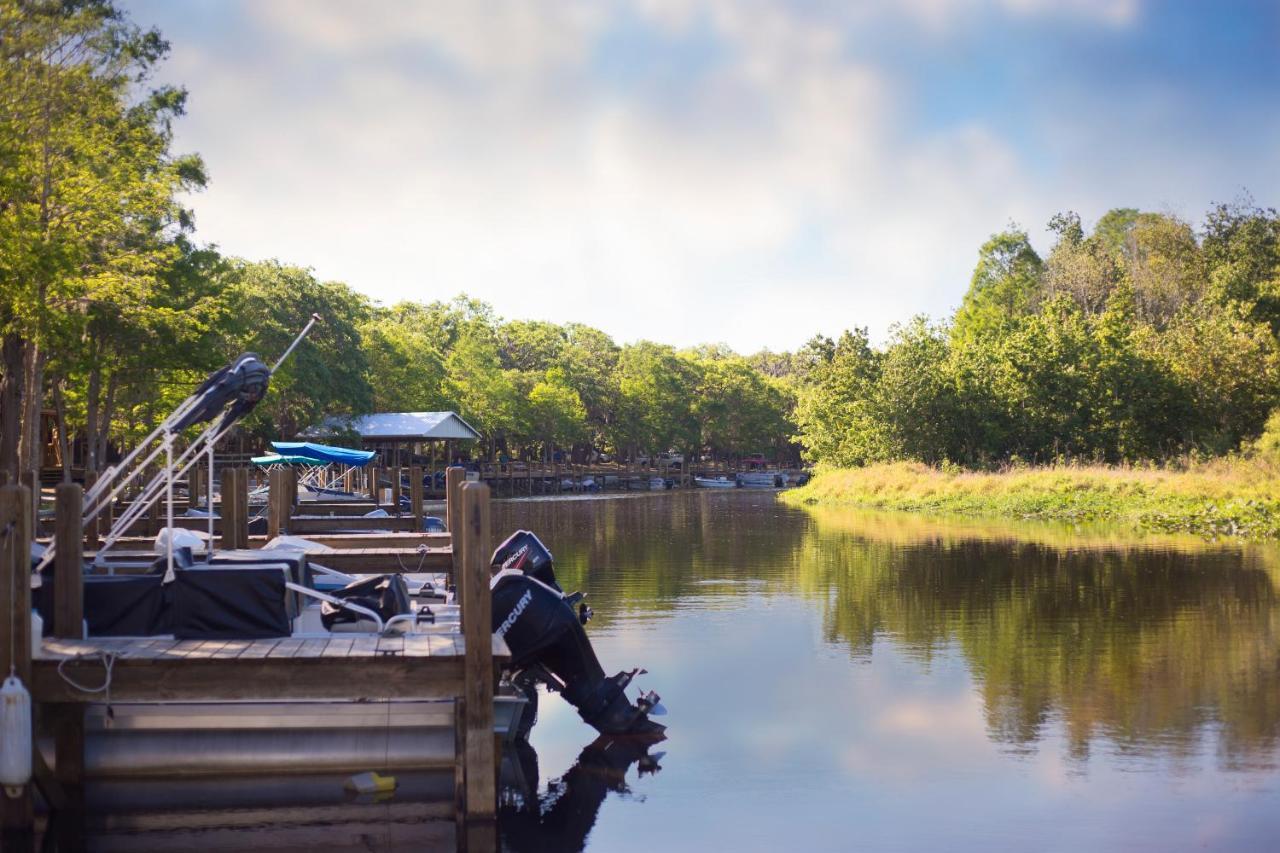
x,y
459,665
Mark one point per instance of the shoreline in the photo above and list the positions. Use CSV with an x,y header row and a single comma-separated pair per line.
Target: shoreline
x,y
1226,498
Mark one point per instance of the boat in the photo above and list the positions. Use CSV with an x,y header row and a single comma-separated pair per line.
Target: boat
x,y
657,484
715,483
760,479
284,591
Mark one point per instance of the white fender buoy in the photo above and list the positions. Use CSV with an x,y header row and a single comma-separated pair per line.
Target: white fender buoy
x,y
15,736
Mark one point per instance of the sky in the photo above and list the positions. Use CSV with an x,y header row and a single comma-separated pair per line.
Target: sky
x,y
748,172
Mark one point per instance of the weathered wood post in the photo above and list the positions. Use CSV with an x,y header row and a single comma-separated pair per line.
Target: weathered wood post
x,y
235,508
395,487
291,492
68,566
373,485
454,477
277,499
194,484
415,497
472,540
31,479
15,622
67,720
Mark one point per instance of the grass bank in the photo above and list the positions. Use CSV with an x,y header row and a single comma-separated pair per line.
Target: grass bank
x,y
1236,496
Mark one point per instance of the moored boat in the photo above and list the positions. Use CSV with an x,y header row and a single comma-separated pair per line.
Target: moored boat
x,y
715,483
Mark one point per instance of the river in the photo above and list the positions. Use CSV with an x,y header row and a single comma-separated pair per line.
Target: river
x,y
841,680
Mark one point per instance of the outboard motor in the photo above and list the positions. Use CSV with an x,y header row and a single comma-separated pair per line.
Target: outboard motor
x,y
547,640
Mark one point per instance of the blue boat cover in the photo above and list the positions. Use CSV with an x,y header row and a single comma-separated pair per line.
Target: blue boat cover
x,y
324,454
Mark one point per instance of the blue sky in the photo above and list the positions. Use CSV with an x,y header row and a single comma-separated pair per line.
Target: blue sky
x,y
741,172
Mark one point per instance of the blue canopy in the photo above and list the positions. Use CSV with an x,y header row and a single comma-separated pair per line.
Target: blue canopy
x,y
324,454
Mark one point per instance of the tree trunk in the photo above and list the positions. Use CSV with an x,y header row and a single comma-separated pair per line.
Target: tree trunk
x,y
104,428
10,404
29,444
64,446
93,397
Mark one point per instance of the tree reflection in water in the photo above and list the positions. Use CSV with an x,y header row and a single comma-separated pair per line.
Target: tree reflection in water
x,y
1151,643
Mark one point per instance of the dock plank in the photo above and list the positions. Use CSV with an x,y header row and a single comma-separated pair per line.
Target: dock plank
x,y
285,648
337,648
258,649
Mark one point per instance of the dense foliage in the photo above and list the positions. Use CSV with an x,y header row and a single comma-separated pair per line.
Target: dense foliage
x,y
1140,341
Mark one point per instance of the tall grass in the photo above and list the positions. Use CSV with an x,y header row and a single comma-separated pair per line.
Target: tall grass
x,y
1231,496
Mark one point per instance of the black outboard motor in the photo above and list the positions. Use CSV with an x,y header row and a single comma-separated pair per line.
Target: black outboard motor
x,y
547,640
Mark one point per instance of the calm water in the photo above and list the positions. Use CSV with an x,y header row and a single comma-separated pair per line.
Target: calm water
x,y
841,680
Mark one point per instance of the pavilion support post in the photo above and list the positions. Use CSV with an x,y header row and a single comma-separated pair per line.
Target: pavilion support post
x,y
472,539
16,815
415,497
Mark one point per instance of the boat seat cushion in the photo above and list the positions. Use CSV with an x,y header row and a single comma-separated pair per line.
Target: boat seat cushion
x,y
232,602
126,605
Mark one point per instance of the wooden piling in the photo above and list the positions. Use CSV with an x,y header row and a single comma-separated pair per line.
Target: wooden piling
x,y
66,720
415,496
277,499
235,508
373,485
15,621
454,477
472,544
68,566
395,486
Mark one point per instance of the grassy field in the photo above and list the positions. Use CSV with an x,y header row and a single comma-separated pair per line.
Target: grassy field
x,y
1234,496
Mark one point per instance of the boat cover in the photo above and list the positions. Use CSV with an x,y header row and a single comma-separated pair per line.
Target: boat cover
x,y
231,602
278,459
323,453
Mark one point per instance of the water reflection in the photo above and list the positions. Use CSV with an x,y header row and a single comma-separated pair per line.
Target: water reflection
x,y
1151,644
559,817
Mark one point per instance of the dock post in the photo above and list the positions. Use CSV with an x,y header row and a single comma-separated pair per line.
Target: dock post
x,y
242,508
67,720
16,816
235,506
454,477
472,540
395,488
68,566
415,497
277,497
291,493
373,485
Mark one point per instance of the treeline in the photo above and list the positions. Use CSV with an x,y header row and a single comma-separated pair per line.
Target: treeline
x,y
1141,339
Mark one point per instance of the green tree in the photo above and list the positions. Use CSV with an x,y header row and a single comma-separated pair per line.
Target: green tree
x,y
87,192
1003,287
327,374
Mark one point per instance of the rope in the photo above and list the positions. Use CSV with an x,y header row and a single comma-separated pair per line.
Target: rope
x,y
422,559
108,660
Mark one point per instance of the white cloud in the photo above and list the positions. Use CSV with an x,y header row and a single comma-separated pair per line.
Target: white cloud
x,y
420,150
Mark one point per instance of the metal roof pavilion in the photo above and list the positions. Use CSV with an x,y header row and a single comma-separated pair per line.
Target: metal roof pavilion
x,y
400,426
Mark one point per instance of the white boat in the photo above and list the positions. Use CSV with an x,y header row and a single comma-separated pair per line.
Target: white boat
x,y
759,479
716,483
657,484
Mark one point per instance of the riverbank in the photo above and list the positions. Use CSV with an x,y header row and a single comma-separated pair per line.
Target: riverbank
x,y
1235,497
